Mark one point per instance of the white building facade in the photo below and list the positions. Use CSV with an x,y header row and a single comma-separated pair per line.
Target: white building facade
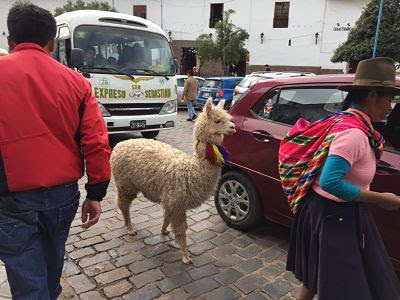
x,y
291,34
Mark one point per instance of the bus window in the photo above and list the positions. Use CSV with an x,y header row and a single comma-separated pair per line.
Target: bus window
x,y
128,50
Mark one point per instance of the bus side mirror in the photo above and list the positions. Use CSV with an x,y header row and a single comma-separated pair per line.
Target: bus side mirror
x,y
77,58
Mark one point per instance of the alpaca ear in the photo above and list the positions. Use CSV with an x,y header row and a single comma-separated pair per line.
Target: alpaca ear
x,y
208,106
221,104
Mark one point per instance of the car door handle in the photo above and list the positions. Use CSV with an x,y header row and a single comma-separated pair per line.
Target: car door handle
x,y
387,169
261,136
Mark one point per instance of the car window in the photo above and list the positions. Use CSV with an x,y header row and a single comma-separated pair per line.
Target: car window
x,y
181,82
201,82
245,82
248,80
211,83
263,108
310,104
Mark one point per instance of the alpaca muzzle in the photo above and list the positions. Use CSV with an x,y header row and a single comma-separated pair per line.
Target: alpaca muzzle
x,y
231,129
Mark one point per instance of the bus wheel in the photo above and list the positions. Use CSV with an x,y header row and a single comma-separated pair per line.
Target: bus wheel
x,y
150,134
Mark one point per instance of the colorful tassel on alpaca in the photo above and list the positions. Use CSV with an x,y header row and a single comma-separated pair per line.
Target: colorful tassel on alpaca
x,y
216,154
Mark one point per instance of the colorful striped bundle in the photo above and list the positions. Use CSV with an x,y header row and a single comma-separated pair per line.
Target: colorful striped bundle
x,y
303,151
216,154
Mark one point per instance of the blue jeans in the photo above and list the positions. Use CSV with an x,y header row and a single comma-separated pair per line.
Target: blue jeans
x,y
190,108
32,241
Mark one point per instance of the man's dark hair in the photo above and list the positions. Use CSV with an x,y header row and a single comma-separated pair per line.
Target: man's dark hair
x,y
90,48
28,23
191,73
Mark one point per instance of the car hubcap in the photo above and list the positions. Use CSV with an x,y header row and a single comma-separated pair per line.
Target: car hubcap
x,y
233,200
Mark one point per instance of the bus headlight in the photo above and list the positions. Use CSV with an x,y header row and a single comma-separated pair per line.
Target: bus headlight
x,y
169,107
104,111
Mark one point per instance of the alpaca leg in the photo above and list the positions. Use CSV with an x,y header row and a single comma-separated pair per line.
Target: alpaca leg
x,y
165,223
179,227
124,201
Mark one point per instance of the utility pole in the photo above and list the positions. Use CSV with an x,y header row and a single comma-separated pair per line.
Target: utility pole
x,y
161,15
377,29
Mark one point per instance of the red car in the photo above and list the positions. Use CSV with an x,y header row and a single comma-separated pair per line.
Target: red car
x,y
250,188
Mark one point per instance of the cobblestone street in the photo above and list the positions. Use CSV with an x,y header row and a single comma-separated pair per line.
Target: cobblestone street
x,y
104,262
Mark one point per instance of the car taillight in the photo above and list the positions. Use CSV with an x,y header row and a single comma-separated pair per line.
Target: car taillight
x,y
235,92
220,93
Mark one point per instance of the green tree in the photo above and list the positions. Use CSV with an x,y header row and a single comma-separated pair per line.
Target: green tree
x,y
360,42
73,5
228,46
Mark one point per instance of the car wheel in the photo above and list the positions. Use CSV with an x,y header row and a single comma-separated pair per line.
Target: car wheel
x,y
237,201
150,134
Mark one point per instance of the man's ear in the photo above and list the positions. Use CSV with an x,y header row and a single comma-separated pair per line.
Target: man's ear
x,y
49,47
11,43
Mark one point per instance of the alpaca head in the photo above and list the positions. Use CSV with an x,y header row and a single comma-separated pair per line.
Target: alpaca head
x,y
213,123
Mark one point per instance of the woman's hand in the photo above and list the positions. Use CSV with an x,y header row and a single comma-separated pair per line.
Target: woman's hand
x,y
389,201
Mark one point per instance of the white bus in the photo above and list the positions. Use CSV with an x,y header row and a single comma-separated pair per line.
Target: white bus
x,y
128,60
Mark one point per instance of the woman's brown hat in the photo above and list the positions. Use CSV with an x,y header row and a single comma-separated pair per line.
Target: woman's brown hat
x,y
378,74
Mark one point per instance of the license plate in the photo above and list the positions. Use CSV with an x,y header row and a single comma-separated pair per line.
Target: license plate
x,y
206,94
138,124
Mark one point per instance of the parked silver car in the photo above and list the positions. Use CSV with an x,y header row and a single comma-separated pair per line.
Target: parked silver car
x,y
181,79
255,77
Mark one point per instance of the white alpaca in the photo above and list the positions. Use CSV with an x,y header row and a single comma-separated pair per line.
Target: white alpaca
x,y
170,177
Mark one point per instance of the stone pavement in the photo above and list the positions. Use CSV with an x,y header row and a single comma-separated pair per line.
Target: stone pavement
x,y
104,262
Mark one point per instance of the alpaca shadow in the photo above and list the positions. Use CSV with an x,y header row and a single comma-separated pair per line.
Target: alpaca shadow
x,y
114,139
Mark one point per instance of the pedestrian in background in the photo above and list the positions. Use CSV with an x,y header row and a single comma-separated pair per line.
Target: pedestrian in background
x,y
335,248
267,68
51,128
189,95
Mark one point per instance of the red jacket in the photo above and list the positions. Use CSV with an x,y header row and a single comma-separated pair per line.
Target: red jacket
x,y
50,124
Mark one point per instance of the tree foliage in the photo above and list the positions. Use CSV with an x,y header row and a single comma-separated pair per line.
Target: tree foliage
x,y
360,41
228,46
73,5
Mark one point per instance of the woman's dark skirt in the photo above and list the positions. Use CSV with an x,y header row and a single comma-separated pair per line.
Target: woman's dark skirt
x,y
336,251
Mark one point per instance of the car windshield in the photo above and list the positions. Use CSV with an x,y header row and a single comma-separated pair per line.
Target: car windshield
x,y
212,83
126,50
248,80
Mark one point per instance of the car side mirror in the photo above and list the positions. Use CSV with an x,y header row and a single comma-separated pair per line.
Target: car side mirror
x,y
77,58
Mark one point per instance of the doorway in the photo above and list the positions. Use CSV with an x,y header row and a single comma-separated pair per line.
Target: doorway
x,y
188,59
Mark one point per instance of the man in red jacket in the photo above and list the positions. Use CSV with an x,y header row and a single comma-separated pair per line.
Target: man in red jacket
x,y
50,129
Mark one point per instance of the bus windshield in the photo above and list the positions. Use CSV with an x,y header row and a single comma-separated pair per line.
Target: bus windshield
x,y
126,50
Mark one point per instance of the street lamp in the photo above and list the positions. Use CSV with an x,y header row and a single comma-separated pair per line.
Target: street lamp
x,y
262,37
316,37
